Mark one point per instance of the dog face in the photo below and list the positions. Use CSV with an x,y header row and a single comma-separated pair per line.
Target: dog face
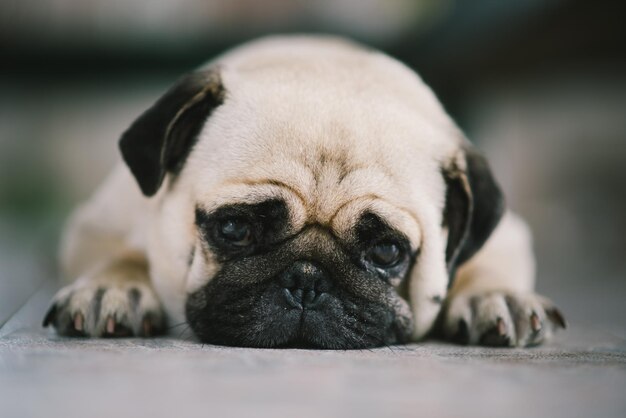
x,y
307,192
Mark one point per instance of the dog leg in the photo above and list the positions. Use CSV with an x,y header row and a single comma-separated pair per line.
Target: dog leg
x,y
112,221
115,299
102,254
492,300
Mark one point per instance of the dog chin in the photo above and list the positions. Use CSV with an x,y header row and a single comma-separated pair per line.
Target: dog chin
x,y
272,320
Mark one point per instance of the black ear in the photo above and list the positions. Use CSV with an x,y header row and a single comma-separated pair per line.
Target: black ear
x,y
161,138
474,206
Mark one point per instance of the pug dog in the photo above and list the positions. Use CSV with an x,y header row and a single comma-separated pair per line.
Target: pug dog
x,y
301,191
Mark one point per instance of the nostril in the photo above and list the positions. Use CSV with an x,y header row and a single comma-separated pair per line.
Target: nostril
x,y
297,294
291,300
303,283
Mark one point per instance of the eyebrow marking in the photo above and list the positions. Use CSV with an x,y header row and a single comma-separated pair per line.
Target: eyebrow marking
x,y
371,196
277,183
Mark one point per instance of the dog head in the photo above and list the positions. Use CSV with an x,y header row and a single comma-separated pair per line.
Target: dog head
x,y
307,192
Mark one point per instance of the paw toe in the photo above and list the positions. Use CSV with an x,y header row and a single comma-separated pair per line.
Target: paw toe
x,y
501,320
111,312
497,335
556,317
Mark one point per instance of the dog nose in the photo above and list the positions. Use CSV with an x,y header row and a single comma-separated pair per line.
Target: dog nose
x,y
304,284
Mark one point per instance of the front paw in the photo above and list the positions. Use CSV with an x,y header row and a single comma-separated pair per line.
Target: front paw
x,y
106,310
500,319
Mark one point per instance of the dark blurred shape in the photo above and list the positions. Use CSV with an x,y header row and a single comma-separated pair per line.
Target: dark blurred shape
x,y
72,35
480,42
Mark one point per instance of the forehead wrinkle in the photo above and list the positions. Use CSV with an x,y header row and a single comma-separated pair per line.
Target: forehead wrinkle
x,y
335,190
371,197
254,191
370,205
274,182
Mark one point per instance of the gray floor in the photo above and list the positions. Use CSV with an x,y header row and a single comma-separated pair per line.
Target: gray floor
x,y
582,373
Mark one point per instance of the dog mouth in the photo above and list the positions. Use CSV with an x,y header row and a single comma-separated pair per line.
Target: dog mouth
x,y
306,323
298,318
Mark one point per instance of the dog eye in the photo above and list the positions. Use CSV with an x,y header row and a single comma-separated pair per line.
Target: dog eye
x,y
237,232
386,254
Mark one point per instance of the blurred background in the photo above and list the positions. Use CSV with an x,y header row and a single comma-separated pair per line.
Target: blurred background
x,y
539,85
